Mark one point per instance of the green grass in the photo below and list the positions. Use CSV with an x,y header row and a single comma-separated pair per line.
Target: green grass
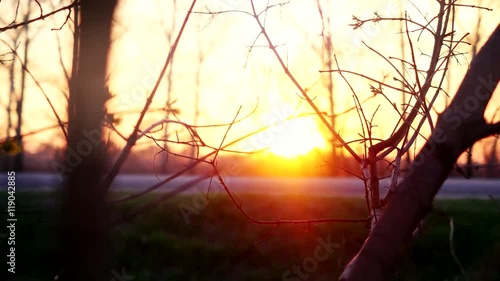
x,y
220,244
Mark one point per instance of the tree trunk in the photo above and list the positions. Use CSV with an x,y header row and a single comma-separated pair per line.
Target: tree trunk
x,y
85,215
458,127
18,139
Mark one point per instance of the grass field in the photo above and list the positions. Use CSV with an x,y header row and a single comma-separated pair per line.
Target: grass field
x,y
218,242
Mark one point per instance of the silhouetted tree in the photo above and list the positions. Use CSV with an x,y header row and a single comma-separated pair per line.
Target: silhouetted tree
x,y
85,213
458,127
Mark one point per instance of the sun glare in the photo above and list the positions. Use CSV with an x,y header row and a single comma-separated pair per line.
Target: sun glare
x,y
296,137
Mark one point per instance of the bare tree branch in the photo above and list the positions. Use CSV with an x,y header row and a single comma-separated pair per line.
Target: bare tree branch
x,y
41,17
106,183
459,126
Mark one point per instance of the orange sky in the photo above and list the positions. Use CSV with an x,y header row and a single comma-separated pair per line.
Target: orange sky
x,y
230,76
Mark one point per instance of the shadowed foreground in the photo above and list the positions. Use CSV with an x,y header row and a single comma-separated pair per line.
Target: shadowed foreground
x,y
218,243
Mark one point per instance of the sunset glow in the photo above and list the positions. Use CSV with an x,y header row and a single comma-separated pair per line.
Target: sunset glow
x,y
297,137
250,139
224,63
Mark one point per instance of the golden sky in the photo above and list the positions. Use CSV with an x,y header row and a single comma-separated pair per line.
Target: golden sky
x,y
230,76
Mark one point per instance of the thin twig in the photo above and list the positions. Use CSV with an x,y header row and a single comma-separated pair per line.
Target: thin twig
x,y
59,120
452,250
106,183
41,17
299,87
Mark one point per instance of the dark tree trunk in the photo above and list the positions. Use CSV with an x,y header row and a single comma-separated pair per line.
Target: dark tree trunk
x,y
458,127
18,139
85,213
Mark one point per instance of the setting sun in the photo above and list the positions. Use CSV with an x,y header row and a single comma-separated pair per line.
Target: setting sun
x,y
296,137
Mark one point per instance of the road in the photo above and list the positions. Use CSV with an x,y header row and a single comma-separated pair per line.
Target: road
x,y
347,187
